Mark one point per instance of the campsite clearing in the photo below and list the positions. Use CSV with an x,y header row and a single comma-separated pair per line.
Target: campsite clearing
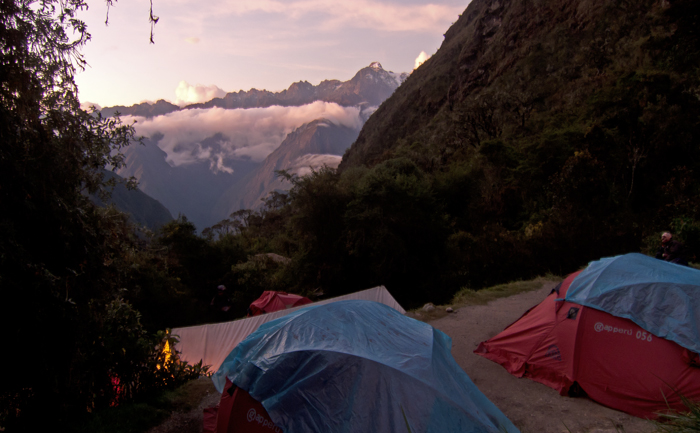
x,y
531,406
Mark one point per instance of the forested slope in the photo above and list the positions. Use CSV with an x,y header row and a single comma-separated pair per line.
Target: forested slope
x,y
551,132
505,62
540,136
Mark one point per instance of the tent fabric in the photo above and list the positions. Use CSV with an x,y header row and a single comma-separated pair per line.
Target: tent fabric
x,y
661,297
536,345
355,367
237,411
211,343
271,301
568,346
209,419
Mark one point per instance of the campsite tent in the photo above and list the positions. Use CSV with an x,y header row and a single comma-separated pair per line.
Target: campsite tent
x,y
354,367
212,342
624,331
274,301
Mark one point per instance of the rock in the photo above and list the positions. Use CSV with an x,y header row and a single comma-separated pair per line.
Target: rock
x,y
449,309
428,307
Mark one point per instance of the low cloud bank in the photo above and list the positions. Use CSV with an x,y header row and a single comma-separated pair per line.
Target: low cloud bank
x,y
303,165
218,135
381,15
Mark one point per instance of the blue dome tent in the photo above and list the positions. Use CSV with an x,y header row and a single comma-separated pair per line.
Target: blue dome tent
x,y
356,367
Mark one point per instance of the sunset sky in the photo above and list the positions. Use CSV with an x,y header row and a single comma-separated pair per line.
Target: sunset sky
x,y
204,49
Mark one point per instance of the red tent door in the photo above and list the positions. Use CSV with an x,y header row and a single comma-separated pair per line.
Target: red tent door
x,y
241,413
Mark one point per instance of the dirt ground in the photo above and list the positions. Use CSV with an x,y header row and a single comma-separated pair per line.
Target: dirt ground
x,y
191,421
531,406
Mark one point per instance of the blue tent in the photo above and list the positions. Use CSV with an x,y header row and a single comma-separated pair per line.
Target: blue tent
x,y
661,297
358,367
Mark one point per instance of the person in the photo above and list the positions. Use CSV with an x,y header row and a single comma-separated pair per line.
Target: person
x,y
219,302
671,250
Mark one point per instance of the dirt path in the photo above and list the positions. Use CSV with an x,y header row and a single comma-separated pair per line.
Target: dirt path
x,y
531,406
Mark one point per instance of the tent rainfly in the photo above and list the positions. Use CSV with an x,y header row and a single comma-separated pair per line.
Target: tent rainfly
x,y
272,301
624,331
353,367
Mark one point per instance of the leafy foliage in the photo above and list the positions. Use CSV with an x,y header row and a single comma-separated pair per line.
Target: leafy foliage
x,y
64,264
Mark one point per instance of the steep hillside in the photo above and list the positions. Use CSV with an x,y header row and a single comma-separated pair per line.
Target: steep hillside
x,y
506,61
541,135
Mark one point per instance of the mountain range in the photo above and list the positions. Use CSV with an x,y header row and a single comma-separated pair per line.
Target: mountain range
x,y
206,189
369,87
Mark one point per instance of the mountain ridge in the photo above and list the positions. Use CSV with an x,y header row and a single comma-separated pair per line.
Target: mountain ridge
x,y
183,189
364,88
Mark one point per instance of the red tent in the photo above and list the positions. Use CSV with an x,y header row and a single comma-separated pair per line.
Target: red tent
x,y
274,301
237,412
570,348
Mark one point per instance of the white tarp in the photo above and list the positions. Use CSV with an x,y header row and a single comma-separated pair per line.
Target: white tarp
x,y
212,343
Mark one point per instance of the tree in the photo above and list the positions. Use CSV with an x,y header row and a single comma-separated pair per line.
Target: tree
x,y
62,260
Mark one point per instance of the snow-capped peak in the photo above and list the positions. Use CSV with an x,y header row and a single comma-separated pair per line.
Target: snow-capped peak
x,y
376,65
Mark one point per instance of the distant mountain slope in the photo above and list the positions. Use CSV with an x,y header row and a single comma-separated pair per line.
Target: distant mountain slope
x,y
311,145
142,209
190,190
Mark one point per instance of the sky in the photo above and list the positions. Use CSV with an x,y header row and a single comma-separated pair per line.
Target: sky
x,y
205,49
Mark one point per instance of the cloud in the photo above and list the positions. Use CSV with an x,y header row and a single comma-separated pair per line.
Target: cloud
x,y
387,17
422,57
303,165
192,40
218,135
189,94
367,112
373,14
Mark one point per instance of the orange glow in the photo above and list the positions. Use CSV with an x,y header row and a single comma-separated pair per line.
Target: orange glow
x,y
167,351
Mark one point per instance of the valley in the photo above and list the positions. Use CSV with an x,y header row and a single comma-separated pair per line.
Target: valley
x,y
226,160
